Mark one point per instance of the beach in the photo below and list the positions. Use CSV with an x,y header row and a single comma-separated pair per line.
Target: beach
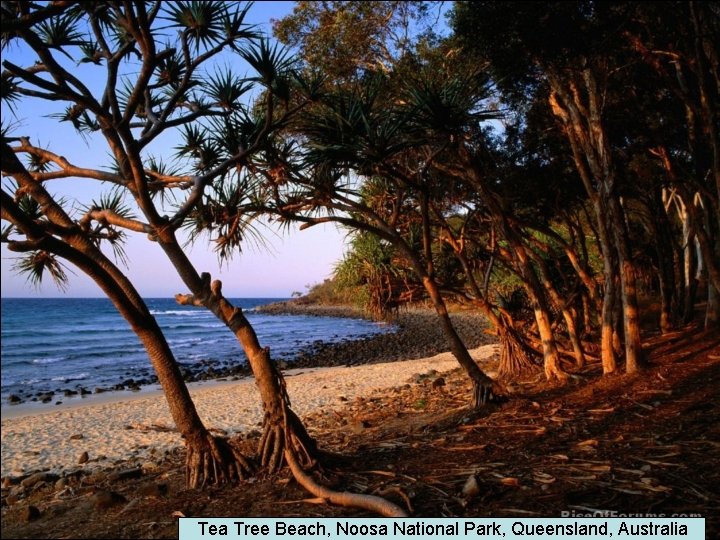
x,y
119,429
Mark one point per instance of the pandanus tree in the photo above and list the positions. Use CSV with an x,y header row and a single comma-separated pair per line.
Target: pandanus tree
x,y
40,228
333,166
159,76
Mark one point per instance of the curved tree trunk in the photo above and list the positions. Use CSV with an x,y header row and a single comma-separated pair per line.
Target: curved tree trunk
x,y
482,384
268,379
209,460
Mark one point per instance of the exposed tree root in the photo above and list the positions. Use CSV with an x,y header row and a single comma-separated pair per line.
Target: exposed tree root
x,y
515,360
275,434
214,460
288,439
372,503
487,391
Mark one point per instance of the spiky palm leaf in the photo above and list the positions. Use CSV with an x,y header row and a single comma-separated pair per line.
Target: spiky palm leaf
x,y
91,53
30,207
355,128
157,165
37,264
269,62
61,31
199,148
103,232
226,89
157,99
203,22
9,91
170,69
450,107
234,134
228,215
235,27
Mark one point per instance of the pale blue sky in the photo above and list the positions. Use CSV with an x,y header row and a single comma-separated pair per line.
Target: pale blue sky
x,y
291,261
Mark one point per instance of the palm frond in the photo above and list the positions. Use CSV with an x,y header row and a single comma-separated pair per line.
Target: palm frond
x,y
226,89
170,69
9,91
235,27
268,61
35,265
203,22
91,53
60,32
103,232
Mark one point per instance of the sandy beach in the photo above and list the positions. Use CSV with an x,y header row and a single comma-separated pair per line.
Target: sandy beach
x,y
120,427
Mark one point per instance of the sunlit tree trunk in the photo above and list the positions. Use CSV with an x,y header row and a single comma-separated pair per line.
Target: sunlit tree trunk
x,y
280,423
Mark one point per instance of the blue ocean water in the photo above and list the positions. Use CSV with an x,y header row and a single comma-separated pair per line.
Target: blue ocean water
x,y
70,343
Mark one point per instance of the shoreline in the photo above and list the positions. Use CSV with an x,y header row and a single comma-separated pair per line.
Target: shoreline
x,y
415,333
139,431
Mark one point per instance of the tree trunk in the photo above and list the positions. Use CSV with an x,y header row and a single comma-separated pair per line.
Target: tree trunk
x,y
561,306
514,358
278,416
551,357
209,460
628,288
712,311
482,384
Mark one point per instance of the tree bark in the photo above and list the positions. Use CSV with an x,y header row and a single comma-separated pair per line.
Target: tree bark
x,y
276,404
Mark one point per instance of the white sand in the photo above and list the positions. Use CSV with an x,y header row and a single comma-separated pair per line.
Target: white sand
x,y
34,439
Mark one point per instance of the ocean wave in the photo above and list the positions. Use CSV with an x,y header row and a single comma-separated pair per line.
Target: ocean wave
x,y
182,312
51,360
68,378
186,341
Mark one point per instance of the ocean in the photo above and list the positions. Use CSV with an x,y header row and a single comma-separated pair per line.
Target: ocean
x,y
71,346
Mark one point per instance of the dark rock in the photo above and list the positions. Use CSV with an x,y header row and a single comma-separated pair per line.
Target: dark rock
x,y
30,513
33,479
106,499
77,437
84,458
69,393
100,390
152,490
12,398
125,475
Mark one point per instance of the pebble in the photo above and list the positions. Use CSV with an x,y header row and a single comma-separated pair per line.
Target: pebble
x,y
84,458
471,487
